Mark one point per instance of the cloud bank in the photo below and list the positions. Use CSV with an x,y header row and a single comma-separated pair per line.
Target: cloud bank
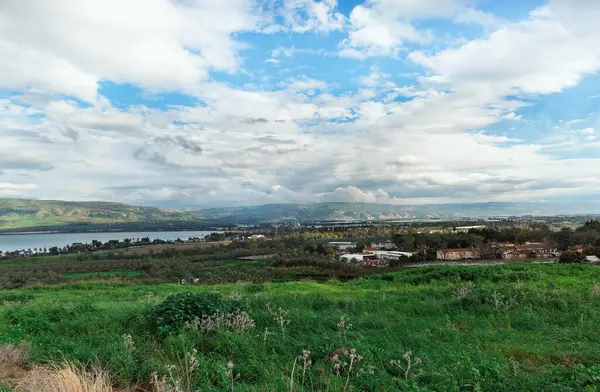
x,y
236,102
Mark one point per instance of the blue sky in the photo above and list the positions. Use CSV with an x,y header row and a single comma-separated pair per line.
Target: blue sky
x,y
237,102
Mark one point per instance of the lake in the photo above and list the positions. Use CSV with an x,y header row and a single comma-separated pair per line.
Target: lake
x,y
9,243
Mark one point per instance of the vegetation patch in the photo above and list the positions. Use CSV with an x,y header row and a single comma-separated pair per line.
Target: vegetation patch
x,y
481,328
91,274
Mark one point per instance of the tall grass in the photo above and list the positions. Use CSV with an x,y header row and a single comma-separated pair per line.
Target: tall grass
x,y
496,328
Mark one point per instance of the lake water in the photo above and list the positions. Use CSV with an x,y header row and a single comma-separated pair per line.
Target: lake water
x,y
9,243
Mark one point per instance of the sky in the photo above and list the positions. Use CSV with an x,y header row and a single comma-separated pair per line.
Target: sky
x,y
203,103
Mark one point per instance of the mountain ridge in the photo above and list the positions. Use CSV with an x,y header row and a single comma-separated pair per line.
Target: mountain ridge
x,y
24,213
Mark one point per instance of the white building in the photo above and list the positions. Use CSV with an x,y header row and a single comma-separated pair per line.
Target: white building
x,y
354,257
341,245
392,254
384,245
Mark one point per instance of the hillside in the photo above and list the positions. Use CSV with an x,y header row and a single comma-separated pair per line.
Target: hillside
x,y
345,211
498,328
22,213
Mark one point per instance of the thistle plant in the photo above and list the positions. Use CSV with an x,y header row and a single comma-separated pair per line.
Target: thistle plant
x,y
306,363
408,365
128,342
231,375
342,366
280,317
265,335
461,292
343,327
238,322
172,380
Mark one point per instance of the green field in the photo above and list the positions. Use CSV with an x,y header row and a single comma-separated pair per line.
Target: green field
x,y
515,327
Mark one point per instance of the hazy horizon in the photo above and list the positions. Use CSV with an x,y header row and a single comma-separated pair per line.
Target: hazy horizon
x,y
196,104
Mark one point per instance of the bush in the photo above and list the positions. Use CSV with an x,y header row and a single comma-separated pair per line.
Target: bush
x,y
570,257
255,288
177,309
12,297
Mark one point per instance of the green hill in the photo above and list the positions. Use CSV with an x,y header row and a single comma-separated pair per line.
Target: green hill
x,y
21,213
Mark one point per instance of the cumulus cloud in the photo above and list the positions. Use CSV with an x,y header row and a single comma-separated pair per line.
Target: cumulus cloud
x,y
69,48
339,131
382,27
312,15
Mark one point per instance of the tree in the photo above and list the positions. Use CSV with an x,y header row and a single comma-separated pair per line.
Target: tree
x,y
564,238
570,257
408,242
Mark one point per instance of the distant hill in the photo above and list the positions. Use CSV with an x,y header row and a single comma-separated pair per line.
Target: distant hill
x,y
344,211
23,214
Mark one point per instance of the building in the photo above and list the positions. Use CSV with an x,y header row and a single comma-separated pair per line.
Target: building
x,y
355,257
256,236
340,245
384,245
458,254
464,229
577,248
391,254
528,250
592,259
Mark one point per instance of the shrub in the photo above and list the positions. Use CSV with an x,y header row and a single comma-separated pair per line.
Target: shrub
x,y
255,288
13,297
179,309
570,257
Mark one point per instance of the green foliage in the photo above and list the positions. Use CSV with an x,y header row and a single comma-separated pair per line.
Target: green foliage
x,y
177,309
518,327
570,257
16,298
255,288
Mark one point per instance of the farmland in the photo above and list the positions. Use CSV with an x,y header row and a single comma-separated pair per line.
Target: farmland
x,y
482,328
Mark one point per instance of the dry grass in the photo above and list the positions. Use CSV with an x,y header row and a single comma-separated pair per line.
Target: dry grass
x,y
13,360
65,378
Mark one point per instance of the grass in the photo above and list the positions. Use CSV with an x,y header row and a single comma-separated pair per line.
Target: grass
x,y
512,327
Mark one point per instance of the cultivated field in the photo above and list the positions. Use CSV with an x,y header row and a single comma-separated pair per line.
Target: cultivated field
x,y
518,327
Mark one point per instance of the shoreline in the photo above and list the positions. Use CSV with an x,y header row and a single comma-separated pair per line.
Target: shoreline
x,y
99,231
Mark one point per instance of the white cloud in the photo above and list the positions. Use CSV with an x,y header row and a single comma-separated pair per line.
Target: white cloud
x,y
320,16
8,189
64,47
545,54
382,27
306,137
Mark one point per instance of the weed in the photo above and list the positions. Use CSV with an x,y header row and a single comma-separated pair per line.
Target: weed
x,y
343,328
239,321
306,362
461,292
280,318
231,375
408,366
178,378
